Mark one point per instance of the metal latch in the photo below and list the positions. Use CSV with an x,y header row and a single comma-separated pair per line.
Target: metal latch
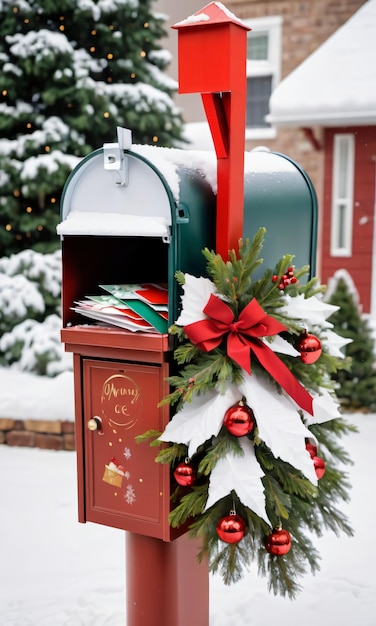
x,y
114,158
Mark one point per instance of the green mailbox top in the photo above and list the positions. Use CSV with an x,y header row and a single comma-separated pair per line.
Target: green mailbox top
x,y
279,196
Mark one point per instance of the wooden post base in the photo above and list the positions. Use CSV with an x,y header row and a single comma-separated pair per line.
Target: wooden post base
x,y
166,586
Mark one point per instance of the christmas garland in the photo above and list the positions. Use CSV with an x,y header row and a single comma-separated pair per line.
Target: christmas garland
x,y
254,438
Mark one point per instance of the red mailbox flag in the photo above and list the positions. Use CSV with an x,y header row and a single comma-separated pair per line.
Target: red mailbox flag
x,y
212,53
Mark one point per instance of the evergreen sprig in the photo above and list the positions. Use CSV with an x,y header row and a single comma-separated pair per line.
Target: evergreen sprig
x,y
290,497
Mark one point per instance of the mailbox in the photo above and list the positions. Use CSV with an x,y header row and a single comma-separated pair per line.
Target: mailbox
x,y
133,214
122,222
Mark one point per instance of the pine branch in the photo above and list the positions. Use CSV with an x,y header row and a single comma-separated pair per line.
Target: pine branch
x,y
149,434
278,503
190,505
171,453
282,573
208,371
233,278
229,560
221,446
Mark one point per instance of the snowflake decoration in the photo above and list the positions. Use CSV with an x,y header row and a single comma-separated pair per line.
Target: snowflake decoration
x,y
127,453
130,495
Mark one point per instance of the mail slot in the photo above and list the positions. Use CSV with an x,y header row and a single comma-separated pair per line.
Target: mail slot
x,y
134,215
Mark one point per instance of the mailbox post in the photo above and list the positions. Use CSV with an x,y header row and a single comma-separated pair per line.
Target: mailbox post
x,y
122,222
212,54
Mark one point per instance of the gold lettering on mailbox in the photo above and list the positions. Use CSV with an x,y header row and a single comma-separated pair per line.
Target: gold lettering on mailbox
x,y
121,401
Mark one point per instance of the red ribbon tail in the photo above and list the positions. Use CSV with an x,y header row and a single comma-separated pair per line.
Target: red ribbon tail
x,y
239,350
282,375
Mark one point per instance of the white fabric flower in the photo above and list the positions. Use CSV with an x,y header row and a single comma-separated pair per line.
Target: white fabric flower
x,y
279,424
278,344
242,474
332,343
325,408
200,419
311,311
197,292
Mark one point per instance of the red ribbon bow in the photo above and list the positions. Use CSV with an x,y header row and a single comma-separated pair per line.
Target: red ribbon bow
x,y
243,337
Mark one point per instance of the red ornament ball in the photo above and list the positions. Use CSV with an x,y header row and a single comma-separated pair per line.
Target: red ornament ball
x,y
312,449
239,419
184,474
278,542
231,529
320,466
309,347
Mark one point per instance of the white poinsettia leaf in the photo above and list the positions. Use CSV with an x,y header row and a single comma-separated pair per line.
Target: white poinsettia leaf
x,y
325,408
311,311
279,423
332,343
200,419
242,474
278,344
197,292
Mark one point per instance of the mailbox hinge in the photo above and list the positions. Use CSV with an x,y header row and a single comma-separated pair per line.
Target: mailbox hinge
x,y
114,157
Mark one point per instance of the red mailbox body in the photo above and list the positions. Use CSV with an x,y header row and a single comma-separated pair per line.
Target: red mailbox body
x,y
119,381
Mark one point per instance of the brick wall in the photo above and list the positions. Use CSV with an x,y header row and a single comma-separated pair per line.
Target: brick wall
x,y
48,435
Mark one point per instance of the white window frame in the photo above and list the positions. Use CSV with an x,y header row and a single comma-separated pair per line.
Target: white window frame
x,y
271,67
342,201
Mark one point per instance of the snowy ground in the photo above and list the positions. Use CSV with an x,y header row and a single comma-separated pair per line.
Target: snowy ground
x,y
56,572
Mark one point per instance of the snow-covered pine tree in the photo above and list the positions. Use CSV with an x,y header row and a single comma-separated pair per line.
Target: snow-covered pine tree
x,y
30,285
356,385
70,72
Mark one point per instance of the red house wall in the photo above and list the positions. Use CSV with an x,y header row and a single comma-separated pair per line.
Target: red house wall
x,y
359,265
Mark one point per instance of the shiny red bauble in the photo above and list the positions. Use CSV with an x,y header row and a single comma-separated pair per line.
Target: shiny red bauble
x,y
239,419
312,449
231,529
309,347
278,542
320,466
318,462
184,474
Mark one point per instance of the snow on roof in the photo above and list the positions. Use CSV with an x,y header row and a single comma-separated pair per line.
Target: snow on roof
x,y
334,86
